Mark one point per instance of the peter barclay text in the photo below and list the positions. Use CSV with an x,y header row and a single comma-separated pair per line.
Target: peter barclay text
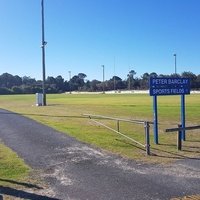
x,y
170,81
169,86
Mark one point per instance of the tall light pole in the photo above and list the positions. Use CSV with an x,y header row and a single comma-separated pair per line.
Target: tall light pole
x,y
103,79
114,76
129,80
175,62
70,82
43,56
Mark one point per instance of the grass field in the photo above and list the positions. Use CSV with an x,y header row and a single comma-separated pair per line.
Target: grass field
x,y
64,113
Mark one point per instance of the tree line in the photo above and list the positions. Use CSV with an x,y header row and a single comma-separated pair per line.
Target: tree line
x,y
10,84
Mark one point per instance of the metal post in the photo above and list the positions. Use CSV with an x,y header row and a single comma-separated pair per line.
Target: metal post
x,y
147,138
179,141
175,63
155,125
183,116
43,56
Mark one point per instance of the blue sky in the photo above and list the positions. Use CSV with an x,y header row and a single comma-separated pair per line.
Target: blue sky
x,y
82,35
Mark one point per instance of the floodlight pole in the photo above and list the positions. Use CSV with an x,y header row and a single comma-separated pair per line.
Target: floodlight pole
x,y
43,55
175,62
114,76
129,80
70,82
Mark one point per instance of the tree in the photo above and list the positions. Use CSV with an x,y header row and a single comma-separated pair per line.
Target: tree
x,y
77,81
17,90
130,79
10,84
82,76
198,82
136,84
17,81
94,85
60,83
117,83
5,91
50,80
153,74
7,80
193,78
27,80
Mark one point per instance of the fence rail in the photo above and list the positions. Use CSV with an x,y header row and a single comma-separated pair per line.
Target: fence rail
x,y
179,133
145,123
182,129
117,119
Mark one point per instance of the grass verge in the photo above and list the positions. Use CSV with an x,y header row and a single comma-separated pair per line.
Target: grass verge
x,y
12,168
18,180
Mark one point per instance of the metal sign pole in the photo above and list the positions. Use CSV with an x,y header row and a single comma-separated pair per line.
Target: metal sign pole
x,y
183,116
155,119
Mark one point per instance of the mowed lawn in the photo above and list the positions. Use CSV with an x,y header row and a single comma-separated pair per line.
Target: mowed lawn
x,y
65,113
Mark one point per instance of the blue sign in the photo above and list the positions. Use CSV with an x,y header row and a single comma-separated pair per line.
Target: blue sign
x,y
169,86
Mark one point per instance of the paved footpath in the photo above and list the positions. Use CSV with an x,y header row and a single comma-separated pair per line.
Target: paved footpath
x,y
75,170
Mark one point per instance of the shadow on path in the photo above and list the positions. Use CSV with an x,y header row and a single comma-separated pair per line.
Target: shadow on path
x,y
28,185
22,194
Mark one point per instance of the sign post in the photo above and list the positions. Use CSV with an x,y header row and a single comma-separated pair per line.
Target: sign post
x,y
168,86
183,116
155,119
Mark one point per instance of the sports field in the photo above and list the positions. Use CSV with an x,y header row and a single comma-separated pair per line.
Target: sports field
x,y
64,112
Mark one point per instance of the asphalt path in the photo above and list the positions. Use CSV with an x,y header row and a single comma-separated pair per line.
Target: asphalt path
x,y
75,170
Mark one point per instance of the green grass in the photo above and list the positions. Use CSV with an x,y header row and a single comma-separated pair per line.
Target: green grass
x,y
16,178
11,166
64,113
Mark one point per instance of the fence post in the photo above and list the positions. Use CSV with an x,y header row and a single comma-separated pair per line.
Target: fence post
x,y
147,138
179,138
